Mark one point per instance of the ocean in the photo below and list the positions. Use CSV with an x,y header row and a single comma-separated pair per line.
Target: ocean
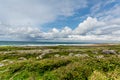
x,y
42,43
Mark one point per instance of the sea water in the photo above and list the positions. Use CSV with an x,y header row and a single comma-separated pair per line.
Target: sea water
x,y
42,43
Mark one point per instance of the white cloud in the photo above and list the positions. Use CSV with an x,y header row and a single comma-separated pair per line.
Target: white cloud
x,y
108,15
18,33
88,25
117,32
56,34
89,29
93,29
94,38
16,15
20,21
37,12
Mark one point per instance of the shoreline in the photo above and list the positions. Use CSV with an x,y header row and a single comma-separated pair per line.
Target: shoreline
x,y
56,43
40,45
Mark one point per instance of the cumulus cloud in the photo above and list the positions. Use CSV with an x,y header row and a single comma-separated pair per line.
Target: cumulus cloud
x,y
9,32
90,29
93,29
17,15
21,20
37,12
88,25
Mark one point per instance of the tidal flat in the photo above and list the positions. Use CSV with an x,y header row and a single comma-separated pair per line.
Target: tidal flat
x,y
93,62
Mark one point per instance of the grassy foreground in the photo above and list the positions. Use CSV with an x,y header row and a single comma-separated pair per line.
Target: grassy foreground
x,y
96,62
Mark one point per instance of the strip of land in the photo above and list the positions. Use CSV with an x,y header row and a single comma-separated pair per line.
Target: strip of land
x,y
88,62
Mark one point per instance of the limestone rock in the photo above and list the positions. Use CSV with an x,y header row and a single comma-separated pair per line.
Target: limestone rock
x,y
71,54
99,56
109,52
22,58
57,55
39,57
77,55
1,65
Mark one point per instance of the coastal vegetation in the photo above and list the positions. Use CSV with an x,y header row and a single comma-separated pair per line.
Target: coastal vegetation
x,y
93,62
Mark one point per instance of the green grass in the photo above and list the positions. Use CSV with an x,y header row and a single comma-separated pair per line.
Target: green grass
x,y
60,68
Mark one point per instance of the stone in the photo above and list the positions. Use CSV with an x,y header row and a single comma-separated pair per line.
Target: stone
x,y
57,55
81,55
118,55
85,55
95,52
77,55
100,56
71,54
39,57
1,65
5,52
11,62
22,58
6,60
62,56
46,51
118,52
109,52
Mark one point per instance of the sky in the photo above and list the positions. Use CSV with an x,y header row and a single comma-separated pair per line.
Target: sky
x,y
61,20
